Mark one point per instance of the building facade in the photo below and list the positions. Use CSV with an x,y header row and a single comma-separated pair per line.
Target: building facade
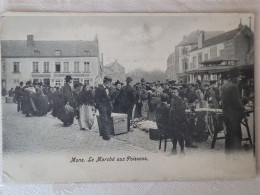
x,y
178,62
49,61
216,56
115,70
209,58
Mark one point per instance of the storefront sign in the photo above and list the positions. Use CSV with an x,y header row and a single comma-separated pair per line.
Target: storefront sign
x,y
40,75
72,74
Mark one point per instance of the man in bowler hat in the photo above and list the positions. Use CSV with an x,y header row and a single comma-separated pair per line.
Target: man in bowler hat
x,y
127,100
67,91
104,106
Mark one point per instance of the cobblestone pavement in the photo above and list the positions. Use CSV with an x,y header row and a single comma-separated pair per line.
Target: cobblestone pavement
x,y
47,134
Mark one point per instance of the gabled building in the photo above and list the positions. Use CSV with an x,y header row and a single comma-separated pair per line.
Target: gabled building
x,y
49,61
220,54
178,61
206,55
115,70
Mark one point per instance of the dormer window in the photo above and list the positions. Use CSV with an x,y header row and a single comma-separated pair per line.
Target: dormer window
x,y
36,52
87,53
57,52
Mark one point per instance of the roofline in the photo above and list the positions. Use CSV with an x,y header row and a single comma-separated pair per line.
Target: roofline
x,y
93,56
51,40
242,29
209,46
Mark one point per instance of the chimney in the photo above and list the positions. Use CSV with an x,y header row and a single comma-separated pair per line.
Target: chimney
x,y
30,41
101,59
240,24
201,39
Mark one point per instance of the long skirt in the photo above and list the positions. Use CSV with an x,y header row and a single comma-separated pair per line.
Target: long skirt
x,y
145,110
29,106
86,116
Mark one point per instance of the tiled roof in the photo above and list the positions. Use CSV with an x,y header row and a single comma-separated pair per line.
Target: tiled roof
x,y
107,70
192,38
222,37
18,48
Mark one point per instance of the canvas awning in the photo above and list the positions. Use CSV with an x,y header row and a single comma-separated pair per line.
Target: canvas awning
x,y
219,69
211,69
219,60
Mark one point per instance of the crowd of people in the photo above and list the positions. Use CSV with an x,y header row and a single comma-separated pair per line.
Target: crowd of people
x,y
165,103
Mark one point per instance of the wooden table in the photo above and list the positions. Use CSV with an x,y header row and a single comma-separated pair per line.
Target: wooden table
x,y
215,123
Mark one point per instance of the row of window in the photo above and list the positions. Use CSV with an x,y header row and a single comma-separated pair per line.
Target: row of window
x,y
46,67
58,81
58,52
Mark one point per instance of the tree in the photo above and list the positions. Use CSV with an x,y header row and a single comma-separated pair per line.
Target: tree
x,y
149,76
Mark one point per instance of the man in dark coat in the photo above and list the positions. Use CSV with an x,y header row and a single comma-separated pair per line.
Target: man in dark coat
x,y
18,96
127,100
104,105
178,120
233,113
115,97
138,103
66,115
67,91
162,115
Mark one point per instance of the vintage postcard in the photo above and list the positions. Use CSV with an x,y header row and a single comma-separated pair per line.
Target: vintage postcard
x,y
127,97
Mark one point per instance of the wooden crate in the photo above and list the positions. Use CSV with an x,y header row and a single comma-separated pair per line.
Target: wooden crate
x,y
119,123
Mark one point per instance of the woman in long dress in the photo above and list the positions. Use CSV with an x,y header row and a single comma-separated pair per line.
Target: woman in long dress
x,y
41,101
86,108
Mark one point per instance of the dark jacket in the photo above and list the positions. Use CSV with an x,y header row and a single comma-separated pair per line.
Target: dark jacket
x,y
68,94
127,97
162,115
102,98
116,100
18,92
177,116
231,102
86,97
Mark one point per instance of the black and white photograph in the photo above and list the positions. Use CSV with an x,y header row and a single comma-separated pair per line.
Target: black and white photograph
x,y
127,97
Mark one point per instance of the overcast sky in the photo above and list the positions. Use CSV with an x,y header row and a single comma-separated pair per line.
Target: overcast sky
x,y
135,41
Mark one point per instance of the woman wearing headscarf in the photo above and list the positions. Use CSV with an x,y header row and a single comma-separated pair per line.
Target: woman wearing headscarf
x,y
86,109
